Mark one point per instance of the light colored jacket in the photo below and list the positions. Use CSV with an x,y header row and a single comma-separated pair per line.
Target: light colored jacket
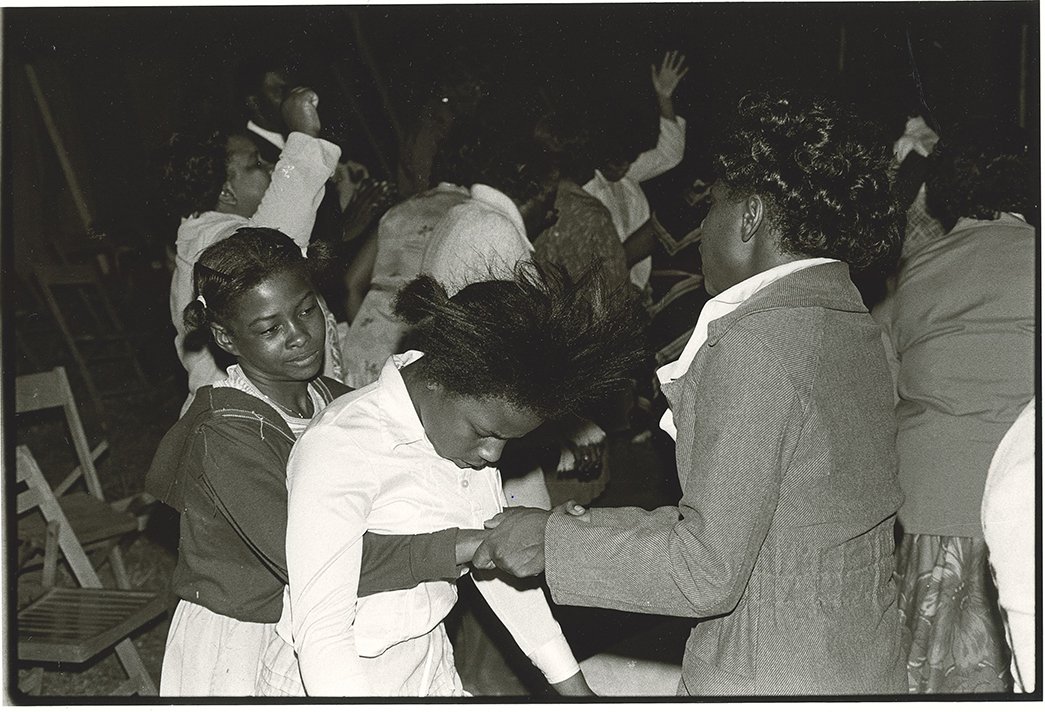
x,y
782,543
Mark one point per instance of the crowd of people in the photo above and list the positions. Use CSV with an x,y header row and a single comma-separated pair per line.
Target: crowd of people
x,y
388,385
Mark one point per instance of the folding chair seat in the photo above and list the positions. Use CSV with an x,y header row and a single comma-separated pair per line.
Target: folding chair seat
x,y
93,521
74,625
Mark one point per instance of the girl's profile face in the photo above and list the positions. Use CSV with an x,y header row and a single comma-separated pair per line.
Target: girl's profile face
x,y
247,175
472,432
277,329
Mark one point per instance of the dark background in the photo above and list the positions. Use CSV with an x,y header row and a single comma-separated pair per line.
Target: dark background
x,y
119,81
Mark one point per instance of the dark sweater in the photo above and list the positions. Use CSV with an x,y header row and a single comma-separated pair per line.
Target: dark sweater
x,y
223,467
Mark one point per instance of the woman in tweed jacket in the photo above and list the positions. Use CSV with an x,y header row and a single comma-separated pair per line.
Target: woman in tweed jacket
x,y
781,547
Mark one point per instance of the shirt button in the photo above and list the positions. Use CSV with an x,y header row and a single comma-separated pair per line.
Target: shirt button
x,y
464,483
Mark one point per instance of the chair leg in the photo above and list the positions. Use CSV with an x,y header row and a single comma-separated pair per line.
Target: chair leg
x,y
119,570
50,569
70,342
33,682
132,663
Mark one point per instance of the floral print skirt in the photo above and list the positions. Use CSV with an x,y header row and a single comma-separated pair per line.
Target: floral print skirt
x,y
949,606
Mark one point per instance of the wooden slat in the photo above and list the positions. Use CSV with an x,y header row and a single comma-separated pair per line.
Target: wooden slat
x,y
91,520
73,625
37,391
77,471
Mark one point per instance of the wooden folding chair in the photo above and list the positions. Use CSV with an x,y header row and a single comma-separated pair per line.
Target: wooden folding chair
x,y
95,522
90,325
74,625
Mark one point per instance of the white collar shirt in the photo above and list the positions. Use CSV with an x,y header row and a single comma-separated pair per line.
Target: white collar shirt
x,y
273,137
365,464
716,308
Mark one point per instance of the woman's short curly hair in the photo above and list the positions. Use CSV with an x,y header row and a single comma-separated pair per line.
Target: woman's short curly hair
x,y
192,171
821,173
979,170
541,341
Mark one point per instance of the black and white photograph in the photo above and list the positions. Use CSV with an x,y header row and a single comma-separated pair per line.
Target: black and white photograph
x,y
521,353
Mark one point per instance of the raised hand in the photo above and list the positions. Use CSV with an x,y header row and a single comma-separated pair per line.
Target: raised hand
x,y
671,71
300,111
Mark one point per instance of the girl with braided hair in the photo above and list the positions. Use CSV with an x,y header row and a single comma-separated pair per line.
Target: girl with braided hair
x,y
223,468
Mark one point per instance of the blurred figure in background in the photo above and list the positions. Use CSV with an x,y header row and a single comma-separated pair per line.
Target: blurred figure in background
x,y
451,100
219,184
402,236
352,200
584,234
621,168
960,321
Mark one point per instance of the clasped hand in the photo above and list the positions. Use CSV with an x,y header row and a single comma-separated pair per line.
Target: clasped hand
x,y
515,540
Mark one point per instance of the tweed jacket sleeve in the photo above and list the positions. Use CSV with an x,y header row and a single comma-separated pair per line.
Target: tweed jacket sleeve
x,y
738,418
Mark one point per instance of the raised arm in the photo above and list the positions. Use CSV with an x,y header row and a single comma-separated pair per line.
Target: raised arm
x,y
671,142
666,80
303,168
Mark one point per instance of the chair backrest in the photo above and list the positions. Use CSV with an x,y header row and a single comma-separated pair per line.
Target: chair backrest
x,y
92,304
51,389
38,494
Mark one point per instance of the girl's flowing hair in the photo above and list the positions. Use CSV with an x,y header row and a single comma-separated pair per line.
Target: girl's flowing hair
x,y
542,340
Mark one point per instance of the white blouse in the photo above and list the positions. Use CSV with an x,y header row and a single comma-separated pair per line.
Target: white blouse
x,y
365,464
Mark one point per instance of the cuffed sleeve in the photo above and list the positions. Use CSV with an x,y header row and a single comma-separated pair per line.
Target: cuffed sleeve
x,y
526,615
555,660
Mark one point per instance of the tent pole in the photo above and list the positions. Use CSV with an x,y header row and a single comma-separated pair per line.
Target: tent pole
x,y
59,147
368,59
